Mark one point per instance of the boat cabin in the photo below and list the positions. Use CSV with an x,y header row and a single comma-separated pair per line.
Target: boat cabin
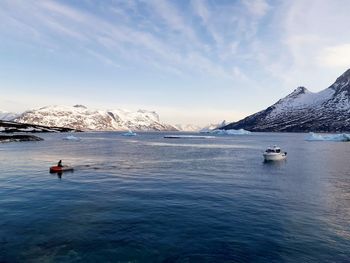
x,y
273,150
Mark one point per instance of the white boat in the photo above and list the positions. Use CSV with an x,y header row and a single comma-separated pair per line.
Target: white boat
x,y
274,153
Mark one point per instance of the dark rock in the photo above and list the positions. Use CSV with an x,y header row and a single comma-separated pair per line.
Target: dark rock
x,y
12,127
19,138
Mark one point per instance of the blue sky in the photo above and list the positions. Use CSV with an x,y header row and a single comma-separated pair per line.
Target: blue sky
x,y
197,61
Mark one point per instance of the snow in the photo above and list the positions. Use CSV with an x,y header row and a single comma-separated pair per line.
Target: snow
x,y
187,127
141,116
299,100
230,132
29,129
344,137
83,118
212,127
7,116
343,101
302,110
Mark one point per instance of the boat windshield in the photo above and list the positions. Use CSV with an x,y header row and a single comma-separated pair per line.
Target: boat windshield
x,y
273,150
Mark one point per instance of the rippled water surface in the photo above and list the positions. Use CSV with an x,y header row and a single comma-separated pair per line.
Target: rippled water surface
x,y
151,199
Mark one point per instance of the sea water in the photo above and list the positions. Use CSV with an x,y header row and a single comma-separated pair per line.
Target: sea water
x,y
150,199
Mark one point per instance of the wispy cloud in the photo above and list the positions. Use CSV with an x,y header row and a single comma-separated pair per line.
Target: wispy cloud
x,y
247,45
172,17
258,8
335,56
313,34
54,20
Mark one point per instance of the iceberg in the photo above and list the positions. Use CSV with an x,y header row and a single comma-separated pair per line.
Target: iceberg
x,y
344,137
188,137
129,133
230,132
212,127
71,138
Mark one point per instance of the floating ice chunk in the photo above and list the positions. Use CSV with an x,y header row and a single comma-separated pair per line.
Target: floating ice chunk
x,y
188,137
71,138
129,133
230,132
344,137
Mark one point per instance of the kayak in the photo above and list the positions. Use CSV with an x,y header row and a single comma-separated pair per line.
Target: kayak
x,y
60,169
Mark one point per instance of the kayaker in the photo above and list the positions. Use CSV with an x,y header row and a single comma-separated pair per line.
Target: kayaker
x,y
59,164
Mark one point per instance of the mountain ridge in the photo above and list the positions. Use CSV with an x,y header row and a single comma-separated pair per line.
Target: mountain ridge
x,y
304,111
81,117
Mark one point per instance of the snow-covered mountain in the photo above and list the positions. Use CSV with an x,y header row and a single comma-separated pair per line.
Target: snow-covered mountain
x,y
212,127
305,111
81,118
187,127
6,115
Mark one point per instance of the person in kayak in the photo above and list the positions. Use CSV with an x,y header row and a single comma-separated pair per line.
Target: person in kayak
x,y
59,164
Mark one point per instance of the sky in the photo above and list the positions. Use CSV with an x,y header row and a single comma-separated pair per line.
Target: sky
x,y
192,61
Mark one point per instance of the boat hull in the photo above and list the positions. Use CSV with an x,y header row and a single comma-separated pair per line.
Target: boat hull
x,y
60,169
275,156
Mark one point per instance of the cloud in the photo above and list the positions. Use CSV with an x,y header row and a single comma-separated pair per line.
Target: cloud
x,y
335,56
258,8
304,43
199,116
207,14
239,47
72,28
172,17
234,40
201,9
106,60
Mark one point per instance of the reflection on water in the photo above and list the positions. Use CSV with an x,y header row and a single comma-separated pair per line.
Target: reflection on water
x,y
202,145
148,199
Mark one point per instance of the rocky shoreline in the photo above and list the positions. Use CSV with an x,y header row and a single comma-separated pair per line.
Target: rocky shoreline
x,y
14,127
19,138
19,131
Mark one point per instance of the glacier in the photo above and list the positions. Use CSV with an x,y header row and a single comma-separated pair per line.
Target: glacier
x,y
344,137
230,132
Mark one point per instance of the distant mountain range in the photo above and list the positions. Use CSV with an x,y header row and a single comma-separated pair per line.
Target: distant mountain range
x,y
212,127
305,111
81,118
7,116
300,111
196,128
187,127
